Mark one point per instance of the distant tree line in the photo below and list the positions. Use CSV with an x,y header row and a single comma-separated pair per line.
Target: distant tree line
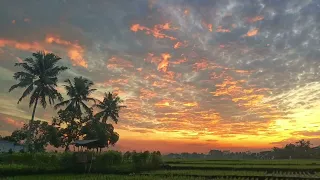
x,y
299,150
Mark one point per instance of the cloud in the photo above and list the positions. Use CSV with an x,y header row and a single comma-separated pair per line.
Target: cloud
x,y
25,46
75,51
13,122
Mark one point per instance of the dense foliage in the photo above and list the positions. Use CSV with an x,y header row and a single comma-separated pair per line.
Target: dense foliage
x,y
106,162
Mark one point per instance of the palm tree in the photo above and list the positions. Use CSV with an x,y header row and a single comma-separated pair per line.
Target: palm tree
x,y
79,92
39,77
110,107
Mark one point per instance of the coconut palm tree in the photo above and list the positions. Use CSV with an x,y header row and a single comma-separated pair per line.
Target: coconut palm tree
x,y
110,107
78,91
39,77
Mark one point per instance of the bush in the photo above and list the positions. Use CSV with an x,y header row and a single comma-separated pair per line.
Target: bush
x,y
127,156
107,162
156,160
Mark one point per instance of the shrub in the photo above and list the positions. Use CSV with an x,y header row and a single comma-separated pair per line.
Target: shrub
x,y
108,158
107,162
127,156
155,159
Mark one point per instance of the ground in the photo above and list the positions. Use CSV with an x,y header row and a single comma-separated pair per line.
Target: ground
x,y
209,169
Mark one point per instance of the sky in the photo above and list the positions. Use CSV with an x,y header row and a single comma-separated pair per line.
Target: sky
x,y
194,75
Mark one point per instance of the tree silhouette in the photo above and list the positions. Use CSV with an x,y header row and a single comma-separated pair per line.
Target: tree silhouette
x,y
103,132
68,129
44,134
39,77
110,107
78,92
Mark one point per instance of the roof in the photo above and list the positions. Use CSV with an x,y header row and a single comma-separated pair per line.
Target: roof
x,y
84,142
9,142
5,141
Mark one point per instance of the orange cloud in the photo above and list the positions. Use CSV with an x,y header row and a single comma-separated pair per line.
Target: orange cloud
x,y
252,32
177,45
159,84
243,72
191,104
169,75
153,59
179,61
207,25
163,66
245,96
13,122
25,46
147,94
180,44
203,64
156,31
116,82
118,62
255,19
186,12
223,30
75,51
210,27
163,103
77,58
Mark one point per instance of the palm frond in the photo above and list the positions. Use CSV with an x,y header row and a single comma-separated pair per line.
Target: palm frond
x,y
23,75
43,100
34,96
27,68
99,115
54,71
30,61
63,103
22,84
114,117
88,99
86,108
26,92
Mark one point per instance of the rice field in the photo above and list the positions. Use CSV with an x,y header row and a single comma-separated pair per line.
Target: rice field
x,y
210,169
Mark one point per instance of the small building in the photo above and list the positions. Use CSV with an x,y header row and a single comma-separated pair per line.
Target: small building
x,y
6,146
316,148
89,144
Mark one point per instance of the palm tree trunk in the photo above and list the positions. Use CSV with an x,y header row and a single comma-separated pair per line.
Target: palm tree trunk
x,y
30,133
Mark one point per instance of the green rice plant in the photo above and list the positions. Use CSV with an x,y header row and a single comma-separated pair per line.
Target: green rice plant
x,y
100,177
248,166
207,173
253,162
